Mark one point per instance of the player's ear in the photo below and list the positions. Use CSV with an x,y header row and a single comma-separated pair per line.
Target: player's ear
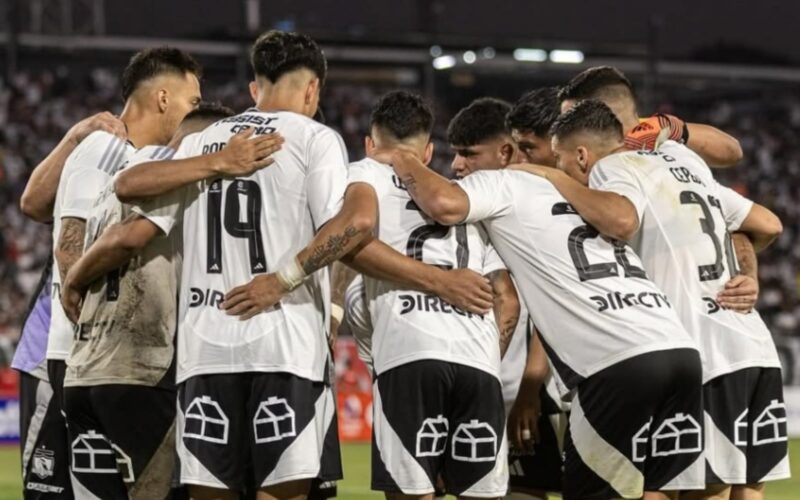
x,y
428,153
369,145
312,90
583,158
163,100
254,91
506,154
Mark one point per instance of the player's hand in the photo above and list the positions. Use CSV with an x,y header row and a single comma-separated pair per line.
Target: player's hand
x,y
71,299
466,290
244,154
539,170
260,294
653,131
740,294
101,121
523,419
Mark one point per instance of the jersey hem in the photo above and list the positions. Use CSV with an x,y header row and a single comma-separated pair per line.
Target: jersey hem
x,y
437,356
82,382
225,370
720,372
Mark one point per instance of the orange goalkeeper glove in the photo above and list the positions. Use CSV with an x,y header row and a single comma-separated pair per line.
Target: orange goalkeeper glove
x,y
653,131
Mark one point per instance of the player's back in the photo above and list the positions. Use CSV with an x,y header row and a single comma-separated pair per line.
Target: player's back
x,y
685,245
87,170
238,228
588,296
411,325
125,333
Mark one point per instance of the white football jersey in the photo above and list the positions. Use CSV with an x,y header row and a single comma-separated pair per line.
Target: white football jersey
x,y
125,333
87,170
410,325
685,244
589,297
237,228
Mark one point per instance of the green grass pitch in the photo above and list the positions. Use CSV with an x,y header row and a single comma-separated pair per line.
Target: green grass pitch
x,y
356,458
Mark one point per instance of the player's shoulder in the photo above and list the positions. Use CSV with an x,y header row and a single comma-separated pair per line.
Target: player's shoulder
x,y
150,153
100,150
370,164
375,173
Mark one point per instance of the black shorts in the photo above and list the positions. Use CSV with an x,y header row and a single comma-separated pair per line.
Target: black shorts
x,y
541,469
746,438
45,454
242,429
433,418
122,440
637,426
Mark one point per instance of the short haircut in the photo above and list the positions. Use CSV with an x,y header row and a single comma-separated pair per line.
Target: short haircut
x,y
276,53
535,112
600,82
482,120
150,63
209,112
591,116
402,114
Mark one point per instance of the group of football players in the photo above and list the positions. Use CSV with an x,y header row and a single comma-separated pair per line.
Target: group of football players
x,y
574,313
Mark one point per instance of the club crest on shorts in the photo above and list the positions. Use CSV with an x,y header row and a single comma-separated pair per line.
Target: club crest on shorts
x,y
676,435
768,427
94,453
43,463
205,420
474,442
432,437
273,421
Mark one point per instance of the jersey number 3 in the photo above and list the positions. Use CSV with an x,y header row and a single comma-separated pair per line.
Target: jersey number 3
x,y
248,227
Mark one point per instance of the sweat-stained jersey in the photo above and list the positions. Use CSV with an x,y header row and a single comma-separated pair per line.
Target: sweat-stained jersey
x,y
237,228
409,325
589,297
685,244
126,328
87,170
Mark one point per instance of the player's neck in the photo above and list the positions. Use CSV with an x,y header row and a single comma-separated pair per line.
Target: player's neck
x,y
142,127
280,101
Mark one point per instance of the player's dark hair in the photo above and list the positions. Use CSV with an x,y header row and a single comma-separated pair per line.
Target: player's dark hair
x,y
600,82
589,115
535,112
150,63
483,119
209,112
402,114
276,53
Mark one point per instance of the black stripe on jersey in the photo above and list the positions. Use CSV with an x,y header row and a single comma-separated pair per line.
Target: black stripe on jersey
x,y
567,374
103,159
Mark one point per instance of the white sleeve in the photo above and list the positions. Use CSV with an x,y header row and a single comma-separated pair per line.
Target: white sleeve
x,y
167,210
616,177
361,172
491,259
485,192
326,179
735,207
89,173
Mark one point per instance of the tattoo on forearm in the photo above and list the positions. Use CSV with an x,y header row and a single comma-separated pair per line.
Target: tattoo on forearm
x,y
70,244
507,332
410,184
331,250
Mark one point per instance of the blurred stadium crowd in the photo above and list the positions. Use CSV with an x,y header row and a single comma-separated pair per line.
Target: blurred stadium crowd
x,y
37,108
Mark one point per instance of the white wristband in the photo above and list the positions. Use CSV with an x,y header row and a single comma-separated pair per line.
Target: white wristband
x,y
337,312
291,275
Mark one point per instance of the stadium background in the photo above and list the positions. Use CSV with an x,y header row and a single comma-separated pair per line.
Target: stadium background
x,y
730,64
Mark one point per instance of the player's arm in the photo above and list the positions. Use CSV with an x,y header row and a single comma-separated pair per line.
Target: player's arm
x,y
762,226
441,199
506,306
717,148
242,155
523,418
336,238
69,247
610,213
117,245
740,293
39,196
463,288
341,277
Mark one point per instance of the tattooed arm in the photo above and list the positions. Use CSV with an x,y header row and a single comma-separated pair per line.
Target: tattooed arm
x,y
70,244
337,237
506,306
341,277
